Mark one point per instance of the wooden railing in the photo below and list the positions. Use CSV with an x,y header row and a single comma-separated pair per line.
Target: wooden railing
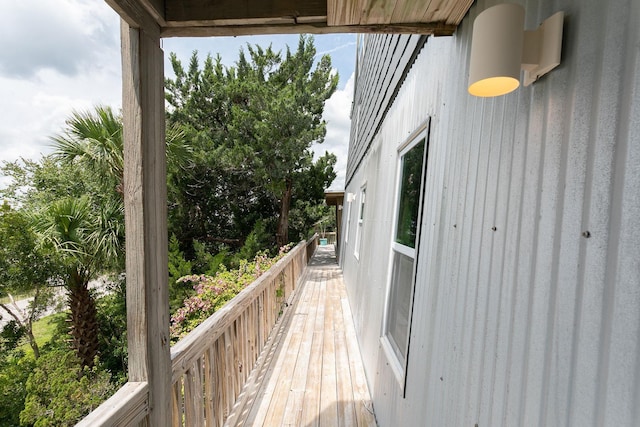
x,y
331,237
212,363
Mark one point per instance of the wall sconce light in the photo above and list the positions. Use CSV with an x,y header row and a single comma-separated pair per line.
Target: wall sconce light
x,y
500,48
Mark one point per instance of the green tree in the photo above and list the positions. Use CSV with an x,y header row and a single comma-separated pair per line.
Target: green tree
x,y
252,127
217,199
93,140
24,266
87,244
282,116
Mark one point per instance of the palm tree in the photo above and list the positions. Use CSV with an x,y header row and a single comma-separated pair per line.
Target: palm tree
x,y
90,231
88,240
94,140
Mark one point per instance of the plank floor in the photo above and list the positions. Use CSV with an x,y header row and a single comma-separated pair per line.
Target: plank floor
x,y
310,373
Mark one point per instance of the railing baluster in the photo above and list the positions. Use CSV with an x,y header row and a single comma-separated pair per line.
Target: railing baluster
x,y
193,398
230,377
221,393
177,403
209,386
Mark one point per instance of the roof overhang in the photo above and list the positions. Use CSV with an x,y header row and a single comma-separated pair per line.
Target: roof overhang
x,y
202,18
334,198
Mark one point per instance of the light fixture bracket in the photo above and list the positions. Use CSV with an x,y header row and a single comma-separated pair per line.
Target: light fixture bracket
x,y
542,48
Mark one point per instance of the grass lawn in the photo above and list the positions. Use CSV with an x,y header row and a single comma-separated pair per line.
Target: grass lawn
x,y
43,330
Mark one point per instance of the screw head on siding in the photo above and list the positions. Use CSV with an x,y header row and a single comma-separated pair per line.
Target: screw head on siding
x,y
586,234
494,228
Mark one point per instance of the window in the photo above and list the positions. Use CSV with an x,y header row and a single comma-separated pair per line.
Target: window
x,y
346,231
403,253
363,194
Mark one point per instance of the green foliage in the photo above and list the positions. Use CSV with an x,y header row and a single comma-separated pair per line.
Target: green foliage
x,y
34,185
212,292
11,335
112,331
24,265
257,240
178,267
205,262
251,127
15,368
60,392
93,140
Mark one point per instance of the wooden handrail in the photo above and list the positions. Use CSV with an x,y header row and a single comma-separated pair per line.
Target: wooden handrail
x,y
211,364
126,407
194,343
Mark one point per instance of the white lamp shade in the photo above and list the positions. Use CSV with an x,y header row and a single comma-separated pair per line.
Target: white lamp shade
x,y
496,50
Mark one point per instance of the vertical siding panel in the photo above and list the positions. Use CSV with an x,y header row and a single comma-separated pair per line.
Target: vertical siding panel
x,y
519,303
477,268
469,289
493,229
502,258
457,155
622,266
627,301
571,256
555,399
591,326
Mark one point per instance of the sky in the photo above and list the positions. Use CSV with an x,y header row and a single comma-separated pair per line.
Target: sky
x,y
60,56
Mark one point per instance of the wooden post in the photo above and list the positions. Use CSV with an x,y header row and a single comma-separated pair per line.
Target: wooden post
x,y
145,196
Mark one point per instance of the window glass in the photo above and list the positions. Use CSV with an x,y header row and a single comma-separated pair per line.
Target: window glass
x,y
402,280
409,201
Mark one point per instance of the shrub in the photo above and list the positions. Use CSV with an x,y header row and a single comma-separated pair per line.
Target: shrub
x,y
14,371
60,392
212,292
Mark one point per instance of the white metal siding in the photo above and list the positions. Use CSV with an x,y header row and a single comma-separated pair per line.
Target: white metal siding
x,y
530,323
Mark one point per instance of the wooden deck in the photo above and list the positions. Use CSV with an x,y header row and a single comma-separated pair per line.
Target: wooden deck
x,y
310,373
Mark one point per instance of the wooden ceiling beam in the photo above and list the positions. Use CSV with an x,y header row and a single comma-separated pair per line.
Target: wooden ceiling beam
x,y
236,10
433,29
344,12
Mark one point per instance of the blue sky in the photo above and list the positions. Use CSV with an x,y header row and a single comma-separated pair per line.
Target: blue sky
x,y
57,56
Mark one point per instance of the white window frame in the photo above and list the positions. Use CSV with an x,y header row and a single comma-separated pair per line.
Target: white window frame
x,y
399,366
346,232
360,231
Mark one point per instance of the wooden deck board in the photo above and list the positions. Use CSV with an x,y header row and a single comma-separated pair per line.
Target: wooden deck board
x,y
315,375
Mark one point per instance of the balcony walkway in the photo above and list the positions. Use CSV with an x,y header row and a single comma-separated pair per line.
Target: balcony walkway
x,y
310,373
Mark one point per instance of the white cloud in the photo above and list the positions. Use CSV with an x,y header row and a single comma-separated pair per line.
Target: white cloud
x,y
62,35
336,112
36,109
57,56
